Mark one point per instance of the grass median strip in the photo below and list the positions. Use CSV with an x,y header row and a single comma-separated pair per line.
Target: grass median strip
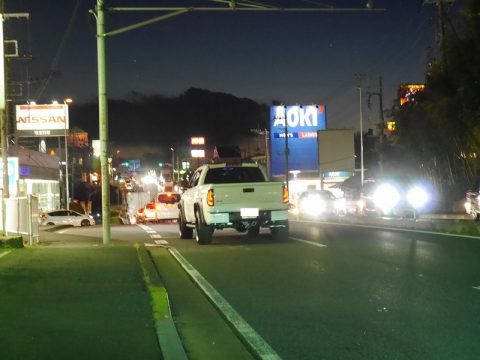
x,y
167,334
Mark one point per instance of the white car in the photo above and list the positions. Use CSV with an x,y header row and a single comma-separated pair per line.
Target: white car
x,y
167,205
66,217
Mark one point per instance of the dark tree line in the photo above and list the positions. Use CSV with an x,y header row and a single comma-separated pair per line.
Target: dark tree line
x,y
165,121
439,132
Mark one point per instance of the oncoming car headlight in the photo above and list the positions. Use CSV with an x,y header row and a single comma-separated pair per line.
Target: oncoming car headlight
x,y
312,205
340,205
418,197
386,197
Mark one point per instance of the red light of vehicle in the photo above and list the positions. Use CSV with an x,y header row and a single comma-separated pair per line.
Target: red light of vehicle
x,y
285,194
210,198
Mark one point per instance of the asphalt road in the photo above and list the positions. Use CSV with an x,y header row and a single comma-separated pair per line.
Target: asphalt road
x,y
336,291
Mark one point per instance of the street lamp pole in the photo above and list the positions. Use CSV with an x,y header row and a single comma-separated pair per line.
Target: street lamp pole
x,y
287,151
173,165
67,192
361,138
67,126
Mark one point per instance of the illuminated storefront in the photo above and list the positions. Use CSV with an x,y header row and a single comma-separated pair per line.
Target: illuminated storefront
x,y
39,176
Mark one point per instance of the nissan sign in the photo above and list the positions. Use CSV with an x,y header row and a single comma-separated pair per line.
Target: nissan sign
x,y
42,120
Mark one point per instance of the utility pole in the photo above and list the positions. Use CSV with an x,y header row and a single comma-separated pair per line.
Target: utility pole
x,y
361,139
382,121
103,122
3,121
441,26
264,133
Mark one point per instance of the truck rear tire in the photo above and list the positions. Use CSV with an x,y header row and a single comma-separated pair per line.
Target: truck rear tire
x,y
280,233
185,231
203,232
253,232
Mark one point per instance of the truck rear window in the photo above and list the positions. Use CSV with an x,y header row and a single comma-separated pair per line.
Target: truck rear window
x,y
229,175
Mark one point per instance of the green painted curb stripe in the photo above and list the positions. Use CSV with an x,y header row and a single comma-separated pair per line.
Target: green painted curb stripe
x,y
167,335
257,345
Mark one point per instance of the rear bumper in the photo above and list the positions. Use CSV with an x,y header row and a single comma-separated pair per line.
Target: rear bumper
x,y
230,219
167,214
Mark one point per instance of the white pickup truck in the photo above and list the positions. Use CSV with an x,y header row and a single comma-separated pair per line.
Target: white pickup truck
x,y
232,196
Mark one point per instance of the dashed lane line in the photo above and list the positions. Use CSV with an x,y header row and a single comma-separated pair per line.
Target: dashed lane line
x,y
155,236
251,338
476,287
161,242
308,242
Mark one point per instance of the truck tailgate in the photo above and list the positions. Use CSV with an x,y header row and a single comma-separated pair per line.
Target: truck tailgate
x,y
233,197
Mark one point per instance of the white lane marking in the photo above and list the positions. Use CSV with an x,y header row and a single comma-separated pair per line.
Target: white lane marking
x,y
151,245
150,231
161,242
4,253
145,227
61,231
155,236
249,335
308,242
476,287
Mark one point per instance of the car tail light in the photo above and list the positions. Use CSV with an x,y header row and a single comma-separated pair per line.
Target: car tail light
x,y
285,194
210,198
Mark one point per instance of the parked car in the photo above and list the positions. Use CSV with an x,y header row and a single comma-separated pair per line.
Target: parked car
x,y
472,205
167,205
146,214
66,217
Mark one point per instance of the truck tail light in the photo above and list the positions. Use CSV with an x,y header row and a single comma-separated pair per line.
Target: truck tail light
x,y
210,198
285,194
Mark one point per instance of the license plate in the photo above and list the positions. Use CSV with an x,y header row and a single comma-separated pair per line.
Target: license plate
x,y
249,212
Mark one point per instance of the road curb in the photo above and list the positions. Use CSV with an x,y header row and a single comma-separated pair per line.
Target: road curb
x,y
170,344
459,228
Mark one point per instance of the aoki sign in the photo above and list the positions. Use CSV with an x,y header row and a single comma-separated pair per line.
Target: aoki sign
x,y
300,124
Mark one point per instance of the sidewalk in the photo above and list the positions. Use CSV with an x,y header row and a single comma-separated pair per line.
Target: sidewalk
x,y
73,300
70,297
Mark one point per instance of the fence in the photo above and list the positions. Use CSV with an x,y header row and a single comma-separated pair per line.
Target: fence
x,y
22,217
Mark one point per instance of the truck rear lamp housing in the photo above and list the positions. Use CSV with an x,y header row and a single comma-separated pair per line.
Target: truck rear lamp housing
x,y
285,194
210,198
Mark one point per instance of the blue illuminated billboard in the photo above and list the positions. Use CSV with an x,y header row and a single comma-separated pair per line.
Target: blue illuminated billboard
x,y
302,125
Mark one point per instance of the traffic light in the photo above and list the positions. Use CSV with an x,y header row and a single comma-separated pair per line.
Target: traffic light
x,y
160,164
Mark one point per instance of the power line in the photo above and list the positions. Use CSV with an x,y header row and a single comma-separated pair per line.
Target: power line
x,y
56,59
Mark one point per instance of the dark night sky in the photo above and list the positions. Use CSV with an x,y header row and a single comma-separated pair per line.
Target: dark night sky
x,y
294,58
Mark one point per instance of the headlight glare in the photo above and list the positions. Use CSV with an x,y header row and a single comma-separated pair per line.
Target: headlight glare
x,y
418,197
313,205
386,197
